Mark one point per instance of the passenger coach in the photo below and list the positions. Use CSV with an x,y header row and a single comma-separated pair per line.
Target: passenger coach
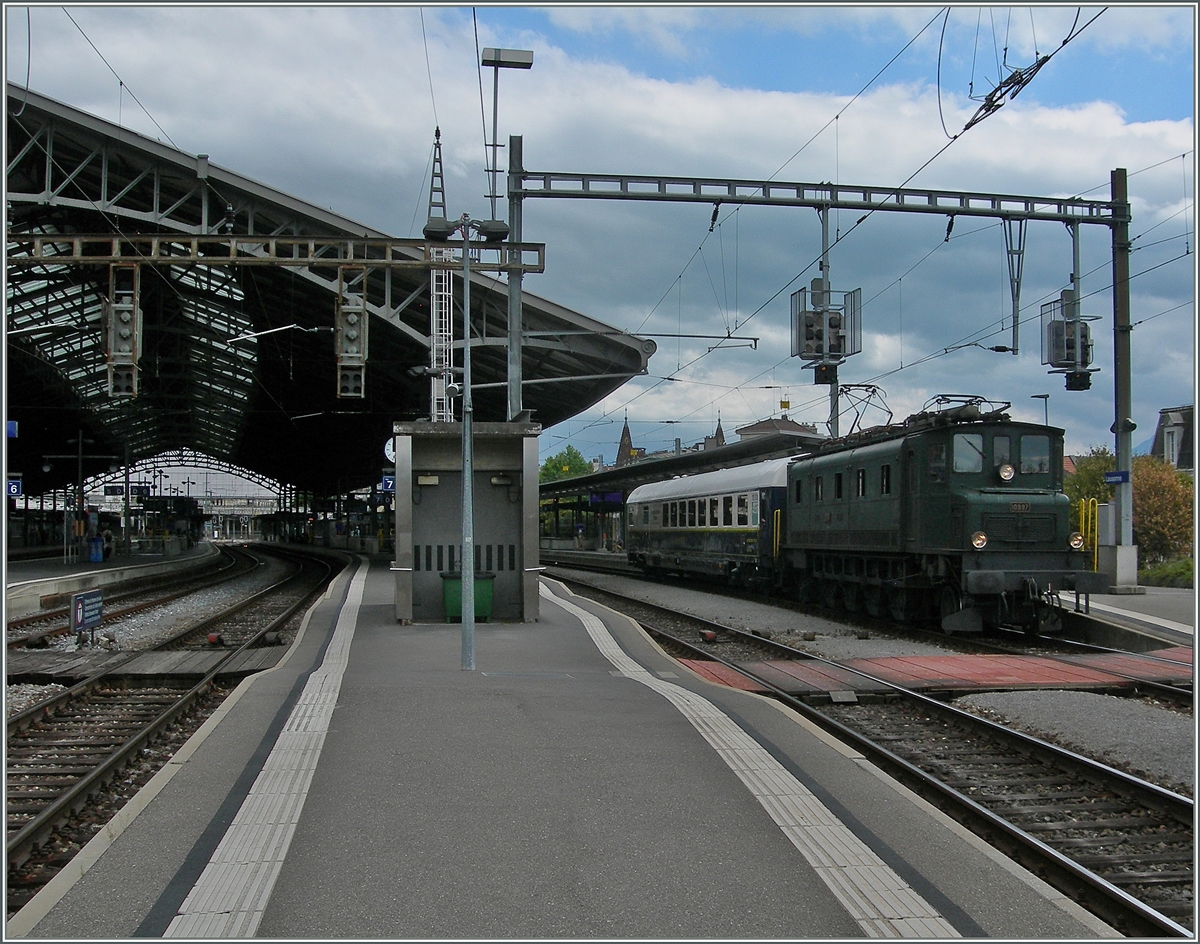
x,y
727,523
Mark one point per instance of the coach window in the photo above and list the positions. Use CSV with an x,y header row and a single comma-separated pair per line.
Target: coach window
x,y
691,513
968,452
1035,454
837,486
674,514
743,506
819,488
645,514
727,511
714,512
885,480
860,483
701,506
1001,451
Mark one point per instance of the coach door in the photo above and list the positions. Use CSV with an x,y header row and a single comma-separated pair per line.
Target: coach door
x,y
909,503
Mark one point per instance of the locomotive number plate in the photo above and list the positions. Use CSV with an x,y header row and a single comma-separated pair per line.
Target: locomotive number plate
x,y
1018,506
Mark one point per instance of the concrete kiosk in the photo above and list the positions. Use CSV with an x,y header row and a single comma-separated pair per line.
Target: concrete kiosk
x,y
429,523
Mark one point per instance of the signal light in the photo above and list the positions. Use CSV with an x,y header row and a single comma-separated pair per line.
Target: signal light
x,y
350,342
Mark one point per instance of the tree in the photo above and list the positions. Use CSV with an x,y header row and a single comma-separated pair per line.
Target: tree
x,y
1163,522
1088,480
564,465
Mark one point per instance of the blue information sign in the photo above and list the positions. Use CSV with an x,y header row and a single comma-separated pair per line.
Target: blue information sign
x,y
388,483
87,610
14,489
1116,478
11,428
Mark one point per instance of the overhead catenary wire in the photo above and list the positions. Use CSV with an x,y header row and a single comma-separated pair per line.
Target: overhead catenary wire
x,y
857,95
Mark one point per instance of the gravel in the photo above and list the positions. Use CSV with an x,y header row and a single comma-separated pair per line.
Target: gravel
x,y
142,630
1146,740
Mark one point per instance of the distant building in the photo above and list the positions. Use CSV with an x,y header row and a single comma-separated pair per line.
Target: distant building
x,y
717,439
781,425
625,451
1173,437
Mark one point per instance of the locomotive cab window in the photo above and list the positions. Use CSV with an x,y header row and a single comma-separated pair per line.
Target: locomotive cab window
x,y
968,452
837,486
1035,454
819,488
885,480
860,483
799,491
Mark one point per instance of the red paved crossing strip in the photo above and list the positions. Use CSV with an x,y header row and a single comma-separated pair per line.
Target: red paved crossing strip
x,y
984,672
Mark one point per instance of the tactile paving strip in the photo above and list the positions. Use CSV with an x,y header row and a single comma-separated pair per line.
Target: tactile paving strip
x,y
231,894
881,902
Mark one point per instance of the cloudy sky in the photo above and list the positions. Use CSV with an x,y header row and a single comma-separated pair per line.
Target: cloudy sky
x,y
337,105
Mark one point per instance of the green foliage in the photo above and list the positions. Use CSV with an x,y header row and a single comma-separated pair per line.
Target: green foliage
x,y
1179,573
564,465
1163,520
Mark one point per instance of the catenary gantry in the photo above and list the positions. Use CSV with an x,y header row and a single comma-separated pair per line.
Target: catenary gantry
x,y
267,403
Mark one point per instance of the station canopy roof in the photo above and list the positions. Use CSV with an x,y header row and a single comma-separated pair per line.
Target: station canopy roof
x,y
267,403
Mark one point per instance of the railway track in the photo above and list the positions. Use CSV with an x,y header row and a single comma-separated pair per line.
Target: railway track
x,y
138,595
1118,845
67,751
1047,646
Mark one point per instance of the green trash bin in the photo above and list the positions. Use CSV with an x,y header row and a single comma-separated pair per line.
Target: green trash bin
x,y
452,595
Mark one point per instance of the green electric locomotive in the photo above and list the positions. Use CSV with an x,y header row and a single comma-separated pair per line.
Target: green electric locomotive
x,y
958,515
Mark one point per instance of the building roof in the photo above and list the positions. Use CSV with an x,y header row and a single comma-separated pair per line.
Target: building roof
x,y
209,378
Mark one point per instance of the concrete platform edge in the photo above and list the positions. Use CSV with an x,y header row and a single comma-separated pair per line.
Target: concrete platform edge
x,y
25,920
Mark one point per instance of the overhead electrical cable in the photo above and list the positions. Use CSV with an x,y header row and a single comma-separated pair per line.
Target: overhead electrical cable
x,y
124,85
428,69
28,62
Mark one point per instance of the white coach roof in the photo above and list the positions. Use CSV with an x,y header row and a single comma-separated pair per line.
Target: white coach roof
x,y
744,478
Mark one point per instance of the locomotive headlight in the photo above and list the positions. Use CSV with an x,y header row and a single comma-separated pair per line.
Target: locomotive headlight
x,y
979,540
1076,540
1006,472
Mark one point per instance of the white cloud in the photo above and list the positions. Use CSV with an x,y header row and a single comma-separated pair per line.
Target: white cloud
x,y
334,105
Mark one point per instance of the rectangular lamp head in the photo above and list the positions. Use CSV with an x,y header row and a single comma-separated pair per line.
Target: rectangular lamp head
x,y
508,58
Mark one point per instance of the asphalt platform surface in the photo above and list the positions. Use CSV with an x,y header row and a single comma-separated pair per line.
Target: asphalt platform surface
x,y
578,783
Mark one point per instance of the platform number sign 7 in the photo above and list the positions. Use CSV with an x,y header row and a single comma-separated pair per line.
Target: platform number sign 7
x,y
13,489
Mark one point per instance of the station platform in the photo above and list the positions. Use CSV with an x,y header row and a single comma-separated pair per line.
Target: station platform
x,y
31,585
578,783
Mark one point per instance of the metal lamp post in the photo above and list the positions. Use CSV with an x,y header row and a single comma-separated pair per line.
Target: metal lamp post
x,y
1045,398
499,59
492,231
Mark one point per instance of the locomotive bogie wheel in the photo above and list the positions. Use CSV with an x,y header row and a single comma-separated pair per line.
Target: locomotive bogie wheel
x,y
852,597
831,594
898,604
804,590
873,600
949,603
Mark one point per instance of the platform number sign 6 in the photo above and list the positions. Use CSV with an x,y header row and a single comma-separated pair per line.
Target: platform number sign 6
x,y
14,488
